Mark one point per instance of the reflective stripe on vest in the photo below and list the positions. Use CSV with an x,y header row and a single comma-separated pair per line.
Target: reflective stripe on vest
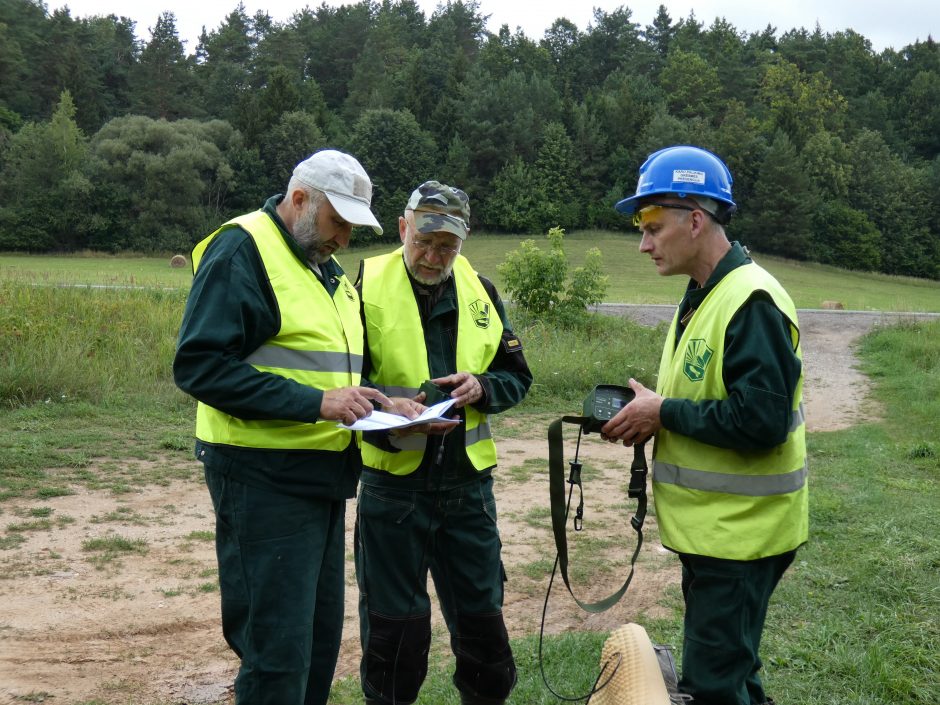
x,y
400,359
730,483
318,344
274,356
721,502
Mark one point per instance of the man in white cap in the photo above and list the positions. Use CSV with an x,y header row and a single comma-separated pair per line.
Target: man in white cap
x,y
271,347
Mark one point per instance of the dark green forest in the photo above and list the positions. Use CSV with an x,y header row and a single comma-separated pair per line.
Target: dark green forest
x,y
115,144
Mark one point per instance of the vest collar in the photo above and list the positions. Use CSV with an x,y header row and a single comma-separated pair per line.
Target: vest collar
x,y
733,259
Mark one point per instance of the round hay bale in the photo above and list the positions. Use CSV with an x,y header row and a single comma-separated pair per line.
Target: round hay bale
x,y
833,305
178,261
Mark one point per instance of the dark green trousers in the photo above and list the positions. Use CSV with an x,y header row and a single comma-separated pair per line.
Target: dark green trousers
x,y
725,607
281,583
400,535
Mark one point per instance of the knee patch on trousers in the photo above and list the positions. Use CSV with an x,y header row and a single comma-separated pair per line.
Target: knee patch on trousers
x,y
485,667
396,659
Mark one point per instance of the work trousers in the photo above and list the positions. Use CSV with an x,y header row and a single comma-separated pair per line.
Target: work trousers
x,y
281,582
400,535
725,607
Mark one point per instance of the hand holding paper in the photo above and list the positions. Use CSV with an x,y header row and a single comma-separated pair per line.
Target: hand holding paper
x,y
383,421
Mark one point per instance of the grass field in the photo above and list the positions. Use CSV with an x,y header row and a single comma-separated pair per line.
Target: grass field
x,y
85,375
632,277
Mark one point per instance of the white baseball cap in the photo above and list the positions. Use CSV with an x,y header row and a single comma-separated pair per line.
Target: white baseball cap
x,y
345,183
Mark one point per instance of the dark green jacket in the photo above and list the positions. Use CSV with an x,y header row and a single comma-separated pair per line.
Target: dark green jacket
x,y
505,384
230,312
761,372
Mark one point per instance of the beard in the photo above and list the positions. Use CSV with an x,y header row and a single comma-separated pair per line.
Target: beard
x,y
308,236
442,272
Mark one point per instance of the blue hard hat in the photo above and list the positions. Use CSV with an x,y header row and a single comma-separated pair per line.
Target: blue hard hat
x,y
683,171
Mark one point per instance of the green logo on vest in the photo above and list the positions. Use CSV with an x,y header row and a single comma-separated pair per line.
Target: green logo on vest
x,y
697,355
480,311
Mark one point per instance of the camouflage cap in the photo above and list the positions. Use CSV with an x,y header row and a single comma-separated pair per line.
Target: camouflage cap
x,y
438,207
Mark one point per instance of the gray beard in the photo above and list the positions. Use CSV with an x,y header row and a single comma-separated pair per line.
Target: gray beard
x,y
309,238
441,278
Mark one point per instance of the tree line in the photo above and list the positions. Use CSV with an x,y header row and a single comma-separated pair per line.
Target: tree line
x,y
111,143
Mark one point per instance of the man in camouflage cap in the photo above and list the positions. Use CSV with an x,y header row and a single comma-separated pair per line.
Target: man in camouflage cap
x,y
427,496
437,219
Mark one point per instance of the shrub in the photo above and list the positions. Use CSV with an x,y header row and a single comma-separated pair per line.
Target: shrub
x,y
536,279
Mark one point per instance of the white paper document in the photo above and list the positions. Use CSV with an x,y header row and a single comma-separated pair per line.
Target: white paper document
x,y
383,421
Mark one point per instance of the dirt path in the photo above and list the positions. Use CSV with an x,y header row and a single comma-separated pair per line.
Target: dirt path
x,y
142,627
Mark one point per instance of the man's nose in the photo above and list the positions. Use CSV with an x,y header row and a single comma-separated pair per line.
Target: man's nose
x,y
343,235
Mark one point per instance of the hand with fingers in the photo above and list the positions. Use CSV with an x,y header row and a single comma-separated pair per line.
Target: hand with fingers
x,y
466,388
636,422
403,406
346,404
412,408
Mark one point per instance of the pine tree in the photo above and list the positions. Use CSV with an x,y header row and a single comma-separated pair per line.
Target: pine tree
x,y
163,85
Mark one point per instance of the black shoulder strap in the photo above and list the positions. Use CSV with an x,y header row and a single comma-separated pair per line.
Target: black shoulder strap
x,y
358,284
556,470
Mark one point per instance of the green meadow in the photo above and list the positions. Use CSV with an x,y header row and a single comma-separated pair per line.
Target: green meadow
x,y
631,276
87,402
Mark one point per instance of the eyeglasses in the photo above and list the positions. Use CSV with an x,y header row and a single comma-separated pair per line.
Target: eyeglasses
x,y
654,208
439,250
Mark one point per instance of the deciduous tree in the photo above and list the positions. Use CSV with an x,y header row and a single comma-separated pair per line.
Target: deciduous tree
x,y
398,155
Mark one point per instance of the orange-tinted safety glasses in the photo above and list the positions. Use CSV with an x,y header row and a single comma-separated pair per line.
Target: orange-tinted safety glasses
x,y
643,215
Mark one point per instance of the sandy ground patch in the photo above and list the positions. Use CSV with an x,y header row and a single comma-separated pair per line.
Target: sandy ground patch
x,y
143,627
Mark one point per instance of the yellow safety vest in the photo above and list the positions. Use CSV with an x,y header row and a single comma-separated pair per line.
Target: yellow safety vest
x,y
720,502
400,357
319,344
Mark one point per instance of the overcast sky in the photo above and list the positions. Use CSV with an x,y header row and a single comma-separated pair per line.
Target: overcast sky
x,y
886,24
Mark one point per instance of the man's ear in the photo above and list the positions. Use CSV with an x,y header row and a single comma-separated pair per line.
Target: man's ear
x,y
699,223
402,227
297,198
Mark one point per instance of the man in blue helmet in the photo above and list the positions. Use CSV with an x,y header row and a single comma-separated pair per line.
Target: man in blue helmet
x,y
729,461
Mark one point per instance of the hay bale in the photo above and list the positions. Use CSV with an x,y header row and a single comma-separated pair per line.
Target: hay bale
x,y
178,261
833,305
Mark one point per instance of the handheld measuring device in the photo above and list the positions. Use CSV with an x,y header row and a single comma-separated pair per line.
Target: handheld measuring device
x,y
602,404
433,394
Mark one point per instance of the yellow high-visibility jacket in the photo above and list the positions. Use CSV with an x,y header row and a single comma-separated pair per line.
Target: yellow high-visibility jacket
x,y
319,344
721,502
